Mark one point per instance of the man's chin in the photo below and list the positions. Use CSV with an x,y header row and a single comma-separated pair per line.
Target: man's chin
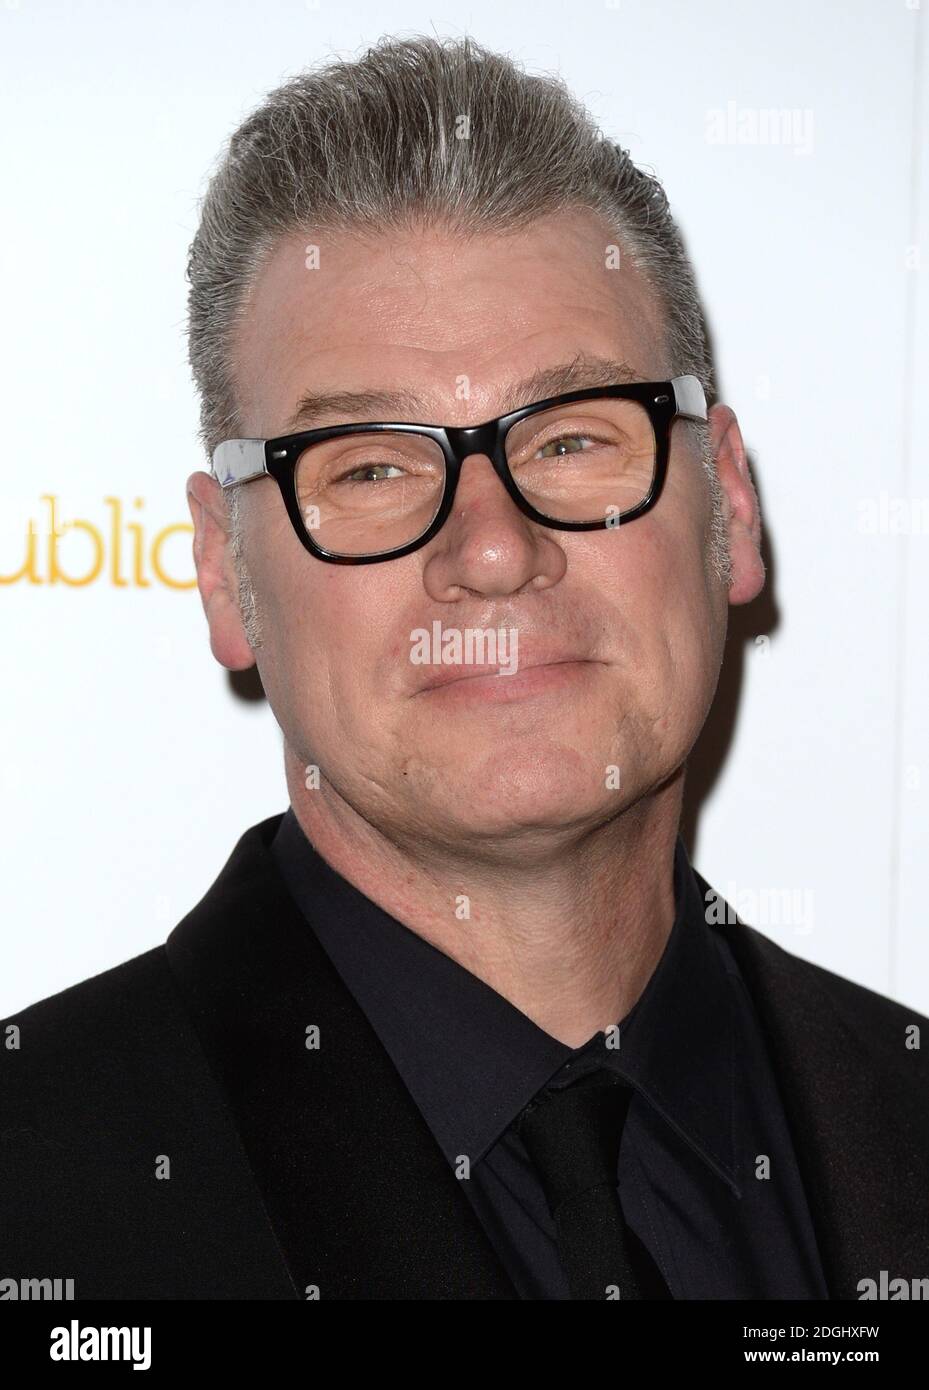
x,y
504,815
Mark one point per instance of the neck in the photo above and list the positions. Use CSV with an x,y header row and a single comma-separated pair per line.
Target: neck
x,y
570,938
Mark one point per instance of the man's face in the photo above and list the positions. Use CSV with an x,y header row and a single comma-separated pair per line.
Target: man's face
x,y
620,631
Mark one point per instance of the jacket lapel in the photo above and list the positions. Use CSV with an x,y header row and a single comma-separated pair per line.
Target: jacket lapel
x,y
361,1198
855,1101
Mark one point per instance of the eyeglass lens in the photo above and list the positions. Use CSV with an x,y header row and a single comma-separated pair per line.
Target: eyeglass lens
x,y
367,493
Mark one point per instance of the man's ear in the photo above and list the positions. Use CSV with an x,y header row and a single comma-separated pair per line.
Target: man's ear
x,y
217,579
740,503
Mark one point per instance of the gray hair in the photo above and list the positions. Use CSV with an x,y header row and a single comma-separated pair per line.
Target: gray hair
x,y
423,131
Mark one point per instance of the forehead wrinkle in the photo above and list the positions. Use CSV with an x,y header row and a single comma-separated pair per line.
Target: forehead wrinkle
x,y
402,405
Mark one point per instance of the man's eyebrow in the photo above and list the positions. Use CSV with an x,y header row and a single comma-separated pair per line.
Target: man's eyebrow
x,y
404,405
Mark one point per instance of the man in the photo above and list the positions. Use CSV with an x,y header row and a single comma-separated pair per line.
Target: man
x,y
463,1023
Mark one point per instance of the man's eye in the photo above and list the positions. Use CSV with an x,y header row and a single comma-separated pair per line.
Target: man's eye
x,y
370,473
570,439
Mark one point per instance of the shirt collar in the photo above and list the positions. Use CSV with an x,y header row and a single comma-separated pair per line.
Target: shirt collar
x,y
472,1061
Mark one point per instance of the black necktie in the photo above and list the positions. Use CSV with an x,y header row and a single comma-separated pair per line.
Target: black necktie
x,y
572,1135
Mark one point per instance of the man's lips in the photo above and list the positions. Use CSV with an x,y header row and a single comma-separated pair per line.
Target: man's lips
x,y
443,676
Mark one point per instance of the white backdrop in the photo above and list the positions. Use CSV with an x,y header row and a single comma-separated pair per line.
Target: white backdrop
x,y
130,764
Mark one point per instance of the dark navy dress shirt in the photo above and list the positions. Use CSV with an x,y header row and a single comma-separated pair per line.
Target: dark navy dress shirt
x,y
706,1175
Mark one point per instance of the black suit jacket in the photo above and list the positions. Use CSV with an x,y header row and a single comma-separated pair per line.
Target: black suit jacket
x,y
148,1067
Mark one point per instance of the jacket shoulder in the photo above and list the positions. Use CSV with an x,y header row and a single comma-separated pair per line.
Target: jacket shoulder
x,y
122,1167
97,993
797,992
77,1051
858,1003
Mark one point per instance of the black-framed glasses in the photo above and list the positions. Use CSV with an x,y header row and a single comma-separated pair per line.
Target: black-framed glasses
x,y
359,493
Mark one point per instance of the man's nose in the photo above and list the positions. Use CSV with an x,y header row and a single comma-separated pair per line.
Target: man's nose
x,y
487,545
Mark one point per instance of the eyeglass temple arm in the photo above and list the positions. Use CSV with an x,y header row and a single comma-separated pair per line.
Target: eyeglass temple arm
x,y
689,397
238,460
